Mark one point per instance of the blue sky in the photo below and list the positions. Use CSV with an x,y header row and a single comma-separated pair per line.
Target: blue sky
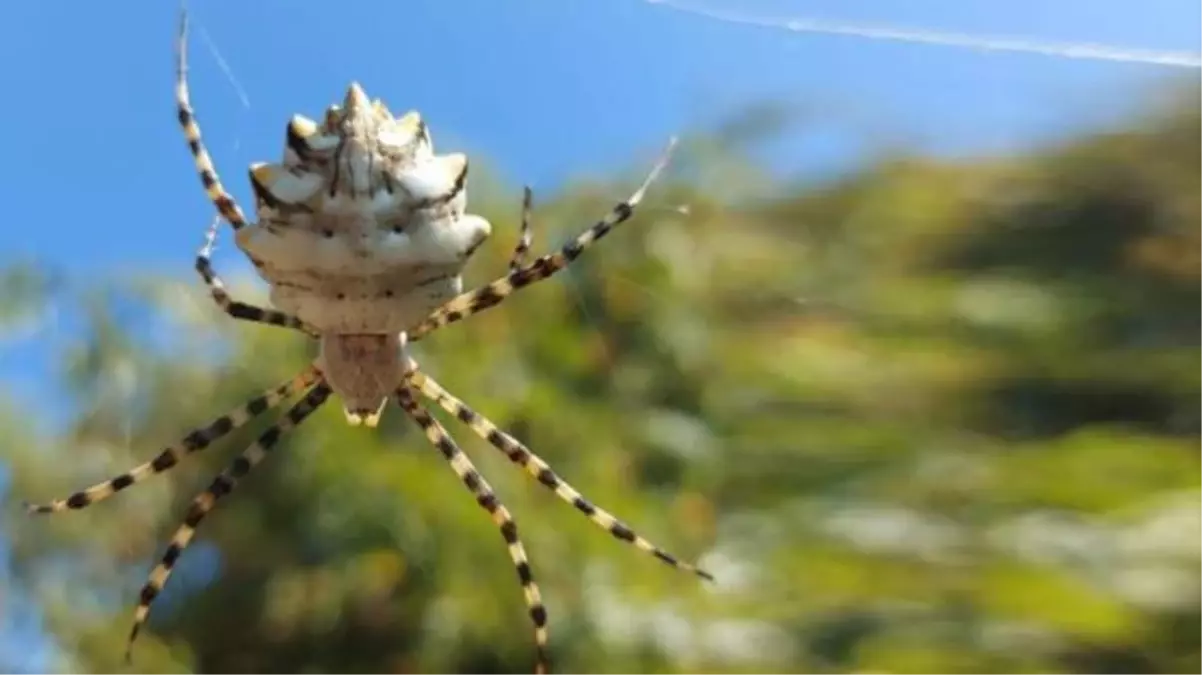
x,y
96,177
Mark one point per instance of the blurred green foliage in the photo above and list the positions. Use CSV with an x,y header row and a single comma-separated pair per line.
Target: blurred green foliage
x,y
933,416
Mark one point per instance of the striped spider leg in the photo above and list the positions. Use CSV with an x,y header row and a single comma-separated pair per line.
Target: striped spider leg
x,y
518,454
221,486
526,237
534,465
487,499
234,308
310,378
195,441
543,267
225,203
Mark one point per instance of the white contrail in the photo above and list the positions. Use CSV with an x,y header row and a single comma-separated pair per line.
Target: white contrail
x,y
1063,50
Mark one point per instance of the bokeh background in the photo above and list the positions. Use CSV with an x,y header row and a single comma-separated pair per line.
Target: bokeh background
x,y
904,347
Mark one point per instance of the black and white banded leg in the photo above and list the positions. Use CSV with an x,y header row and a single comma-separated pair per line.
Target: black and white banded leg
x,y
197,440
226,205
205,501
534,465
224,202
543,267
526,237
234,308
487,499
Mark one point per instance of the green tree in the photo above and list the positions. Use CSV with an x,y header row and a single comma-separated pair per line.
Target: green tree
x,y
934,417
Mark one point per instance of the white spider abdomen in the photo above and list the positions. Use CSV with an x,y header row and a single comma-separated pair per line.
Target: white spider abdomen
x,y
365,304
378,282
362,228
362,250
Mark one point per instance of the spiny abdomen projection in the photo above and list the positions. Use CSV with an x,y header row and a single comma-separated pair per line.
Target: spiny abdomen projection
x,y
361,228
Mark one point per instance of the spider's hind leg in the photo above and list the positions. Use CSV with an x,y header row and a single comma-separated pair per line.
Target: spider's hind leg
x,y
225,203
195,441
526,238
205,501
221,198
487,499
234,308
543,267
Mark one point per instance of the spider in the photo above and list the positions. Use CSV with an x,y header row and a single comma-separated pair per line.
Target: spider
x,y
363,237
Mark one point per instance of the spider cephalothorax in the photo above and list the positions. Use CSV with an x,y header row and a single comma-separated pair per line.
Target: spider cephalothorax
x,y
362,235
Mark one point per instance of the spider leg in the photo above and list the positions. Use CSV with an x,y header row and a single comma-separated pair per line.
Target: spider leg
x,y
222,199
487,499
480,299
234,308
194,442
534,465
526,237
226,205
205,501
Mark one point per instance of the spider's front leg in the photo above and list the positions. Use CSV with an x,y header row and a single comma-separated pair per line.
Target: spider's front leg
x,y
491,294
541,471
225,203
487,499
195,441
205,501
